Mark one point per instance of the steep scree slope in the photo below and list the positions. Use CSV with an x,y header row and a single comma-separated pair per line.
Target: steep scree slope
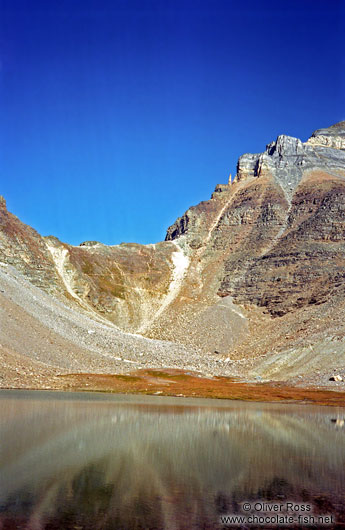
x,y
253,276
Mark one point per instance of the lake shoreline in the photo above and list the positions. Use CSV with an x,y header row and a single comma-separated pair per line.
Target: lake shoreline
x,y
179,383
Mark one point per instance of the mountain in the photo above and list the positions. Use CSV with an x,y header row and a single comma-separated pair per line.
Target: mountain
x,y
250,282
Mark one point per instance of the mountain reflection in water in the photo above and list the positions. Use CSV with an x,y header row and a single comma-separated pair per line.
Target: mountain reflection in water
x,y
114,462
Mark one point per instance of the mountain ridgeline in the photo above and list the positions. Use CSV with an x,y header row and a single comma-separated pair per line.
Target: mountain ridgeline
x,y
255,274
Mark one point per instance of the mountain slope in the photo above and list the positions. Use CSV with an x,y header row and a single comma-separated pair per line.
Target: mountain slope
x,y
251,281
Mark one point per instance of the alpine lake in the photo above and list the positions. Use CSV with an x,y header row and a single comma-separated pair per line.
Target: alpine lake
x,y
101,461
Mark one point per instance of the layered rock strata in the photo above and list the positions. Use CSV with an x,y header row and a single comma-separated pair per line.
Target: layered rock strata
x,y
255,273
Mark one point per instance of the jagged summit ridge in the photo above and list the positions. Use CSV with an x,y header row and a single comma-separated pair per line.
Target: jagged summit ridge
x,y
336,130
285,158
288,158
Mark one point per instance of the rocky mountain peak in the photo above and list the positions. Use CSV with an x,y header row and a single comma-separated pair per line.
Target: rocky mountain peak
x,y
286,151
282,159
285,146
338,129
270,246
332,137
288,158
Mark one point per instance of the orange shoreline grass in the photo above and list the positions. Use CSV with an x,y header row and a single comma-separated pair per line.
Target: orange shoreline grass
x,y
170,382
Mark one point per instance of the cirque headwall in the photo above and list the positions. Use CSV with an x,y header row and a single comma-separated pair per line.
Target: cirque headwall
x,y
256,273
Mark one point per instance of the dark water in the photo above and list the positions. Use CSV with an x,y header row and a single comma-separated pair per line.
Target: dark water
x,y
83,461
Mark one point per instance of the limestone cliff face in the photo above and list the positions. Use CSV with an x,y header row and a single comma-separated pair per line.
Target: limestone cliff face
x,y
271,245
281,231
266,249
300,229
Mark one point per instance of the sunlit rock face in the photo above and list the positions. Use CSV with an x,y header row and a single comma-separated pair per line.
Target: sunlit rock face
x,y
282,230
300,231
125,283
331,137
267,246
22,247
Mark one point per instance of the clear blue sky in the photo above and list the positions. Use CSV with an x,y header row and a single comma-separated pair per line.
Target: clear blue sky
x,y
116,116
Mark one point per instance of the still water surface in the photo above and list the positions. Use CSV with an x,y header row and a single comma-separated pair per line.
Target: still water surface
x,y
93,461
